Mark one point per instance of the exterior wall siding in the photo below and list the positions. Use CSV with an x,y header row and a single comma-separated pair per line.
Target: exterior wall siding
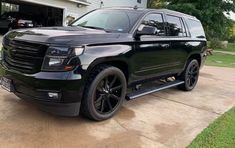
x,y
72,9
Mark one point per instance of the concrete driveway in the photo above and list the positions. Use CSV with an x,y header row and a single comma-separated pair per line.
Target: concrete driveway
x,y
170,118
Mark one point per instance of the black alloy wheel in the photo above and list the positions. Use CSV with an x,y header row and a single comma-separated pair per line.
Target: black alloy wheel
x,y
104,93
190,76
108,94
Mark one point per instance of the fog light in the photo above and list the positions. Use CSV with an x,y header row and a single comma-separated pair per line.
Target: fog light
x,y
53,95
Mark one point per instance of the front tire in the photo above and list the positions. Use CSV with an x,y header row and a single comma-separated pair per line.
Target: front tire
x,y
190,75
104,93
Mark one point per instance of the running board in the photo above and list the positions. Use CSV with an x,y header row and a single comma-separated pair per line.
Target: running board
x,y
140,93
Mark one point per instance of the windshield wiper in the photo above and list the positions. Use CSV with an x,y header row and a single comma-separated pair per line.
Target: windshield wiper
x,y
93,27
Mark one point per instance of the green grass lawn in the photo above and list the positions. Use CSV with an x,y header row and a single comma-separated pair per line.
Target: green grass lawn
x,y
222,60
220,134
230,48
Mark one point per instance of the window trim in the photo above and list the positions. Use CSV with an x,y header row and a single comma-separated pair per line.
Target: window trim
x,y
186,27
182,25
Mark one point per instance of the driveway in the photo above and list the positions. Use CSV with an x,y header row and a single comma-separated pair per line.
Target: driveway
x,y
170,118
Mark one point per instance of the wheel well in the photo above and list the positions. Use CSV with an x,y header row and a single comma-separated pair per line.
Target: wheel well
x,y
119,64
197,57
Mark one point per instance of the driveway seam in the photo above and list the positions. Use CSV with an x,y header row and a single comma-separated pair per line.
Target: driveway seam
x,y
187,105
153,140
121,125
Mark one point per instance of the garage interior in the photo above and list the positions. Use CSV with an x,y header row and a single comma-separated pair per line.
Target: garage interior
x,y
41,14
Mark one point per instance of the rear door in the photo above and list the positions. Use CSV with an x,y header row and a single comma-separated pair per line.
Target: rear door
x,y
178,38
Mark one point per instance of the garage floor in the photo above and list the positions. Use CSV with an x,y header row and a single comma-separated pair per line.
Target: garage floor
x,y
170,118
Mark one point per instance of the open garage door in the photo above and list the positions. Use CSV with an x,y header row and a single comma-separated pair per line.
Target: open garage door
x,y
41,15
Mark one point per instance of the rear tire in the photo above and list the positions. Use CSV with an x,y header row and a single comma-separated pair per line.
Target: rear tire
x,y
190,75
104,93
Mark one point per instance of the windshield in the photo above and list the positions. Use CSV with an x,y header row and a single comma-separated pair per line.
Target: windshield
x,y
108,20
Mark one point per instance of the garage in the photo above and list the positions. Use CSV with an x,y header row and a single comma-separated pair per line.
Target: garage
x,y
54,12
41,15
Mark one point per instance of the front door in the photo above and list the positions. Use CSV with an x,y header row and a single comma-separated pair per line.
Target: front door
x,y
154,56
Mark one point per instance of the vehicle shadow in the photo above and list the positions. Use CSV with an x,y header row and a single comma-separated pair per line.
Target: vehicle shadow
x,y
21,109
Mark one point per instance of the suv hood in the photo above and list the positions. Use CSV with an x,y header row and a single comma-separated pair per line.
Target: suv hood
x,y
63,35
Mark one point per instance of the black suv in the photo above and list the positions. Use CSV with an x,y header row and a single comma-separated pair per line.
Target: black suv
x,y
89,65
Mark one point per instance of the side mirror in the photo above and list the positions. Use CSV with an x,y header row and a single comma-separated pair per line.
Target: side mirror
x,y
146,30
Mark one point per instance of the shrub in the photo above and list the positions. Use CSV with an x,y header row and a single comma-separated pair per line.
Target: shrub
x,y
232,39
215,43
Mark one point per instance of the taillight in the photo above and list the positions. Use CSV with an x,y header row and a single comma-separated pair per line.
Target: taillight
x,y
18,23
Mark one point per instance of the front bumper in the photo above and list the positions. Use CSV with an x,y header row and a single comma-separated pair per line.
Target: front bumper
x,y
35,88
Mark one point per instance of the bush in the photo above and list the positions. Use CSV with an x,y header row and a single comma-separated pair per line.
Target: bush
x,y
232,39
215,43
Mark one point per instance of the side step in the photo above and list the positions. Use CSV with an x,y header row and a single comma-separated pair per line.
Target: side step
x,y
144,92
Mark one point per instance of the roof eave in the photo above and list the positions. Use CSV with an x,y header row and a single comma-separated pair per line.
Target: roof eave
x,y
81,2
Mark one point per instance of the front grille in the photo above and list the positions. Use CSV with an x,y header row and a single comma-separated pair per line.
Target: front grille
x,y
23,56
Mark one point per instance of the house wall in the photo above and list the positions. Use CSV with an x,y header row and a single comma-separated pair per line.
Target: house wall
x,y
72,9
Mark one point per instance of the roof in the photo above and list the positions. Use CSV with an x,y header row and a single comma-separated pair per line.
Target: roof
x,y
82,2
145,10
175,12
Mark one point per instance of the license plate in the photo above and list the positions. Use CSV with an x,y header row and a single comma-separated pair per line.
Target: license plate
x,y
6,84
30,25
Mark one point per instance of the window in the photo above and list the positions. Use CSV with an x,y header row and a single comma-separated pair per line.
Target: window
x,y
155,20
139,1
196,29
7,7
175,26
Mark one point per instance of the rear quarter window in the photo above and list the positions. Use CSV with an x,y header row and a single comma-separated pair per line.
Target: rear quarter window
x,y
195,28
175,26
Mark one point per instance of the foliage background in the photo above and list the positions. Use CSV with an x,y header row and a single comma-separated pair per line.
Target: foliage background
x,y
212,14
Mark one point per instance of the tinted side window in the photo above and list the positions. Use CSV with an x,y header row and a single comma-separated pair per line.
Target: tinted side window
x,y
175,26
155,20
195,28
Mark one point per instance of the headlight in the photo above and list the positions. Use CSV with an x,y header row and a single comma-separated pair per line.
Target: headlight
x,y
58,51
56,61
58,58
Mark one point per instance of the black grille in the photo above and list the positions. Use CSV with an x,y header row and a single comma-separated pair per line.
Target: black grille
x,y
23,56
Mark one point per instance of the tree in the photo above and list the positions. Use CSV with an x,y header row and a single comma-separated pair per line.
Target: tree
x,y
156,4
210,12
